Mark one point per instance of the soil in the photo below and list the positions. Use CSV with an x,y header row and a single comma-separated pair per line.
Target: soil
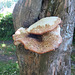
x,y
6,58
7,42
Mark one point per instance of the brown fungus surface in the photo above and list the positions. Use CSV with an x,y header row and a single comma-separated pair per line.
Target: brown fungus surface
x,y
38,43
44,25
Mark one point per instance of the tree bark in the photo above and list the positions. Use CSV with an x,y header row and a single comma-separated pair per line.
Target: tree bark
x,y
57,62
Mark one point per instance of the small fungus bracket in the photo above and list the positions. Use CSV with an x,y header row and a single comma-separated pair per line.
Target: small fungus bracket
x,y
41,37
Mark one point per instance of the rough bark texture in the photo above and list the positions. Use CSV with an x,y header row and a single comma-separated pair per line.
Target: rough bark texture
x,y
57,62
26,13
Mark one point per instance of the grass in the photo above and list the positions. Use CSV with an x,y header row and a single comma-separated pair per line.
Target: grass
x,y
9,68
73,58
73,65
7,49
72,70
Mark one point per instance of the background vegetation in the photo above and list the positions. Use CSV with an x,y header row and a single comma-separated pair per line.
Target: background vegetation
x,y
74,36
7,3
8,59
6,27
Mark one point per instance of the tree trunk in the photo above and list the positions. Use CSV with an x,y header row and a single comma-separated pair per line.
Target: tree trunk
x,y
56,62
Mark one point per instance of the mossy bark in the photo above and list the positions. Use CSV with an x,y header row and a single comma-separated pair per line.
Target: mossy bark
x,y
57,62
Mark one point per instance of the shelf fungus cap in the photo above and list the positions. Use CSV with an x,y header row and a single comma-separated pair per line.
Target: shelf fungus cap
x,y
44,25
38,43
17,35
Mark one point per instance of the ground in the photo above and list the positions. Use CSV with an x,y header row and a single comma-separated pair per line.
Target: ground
x,y
8,54
8,59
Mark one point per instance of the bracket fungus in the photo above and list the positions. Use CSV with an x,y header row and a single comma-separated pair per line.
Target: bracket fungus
x,y
39,39
44,25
